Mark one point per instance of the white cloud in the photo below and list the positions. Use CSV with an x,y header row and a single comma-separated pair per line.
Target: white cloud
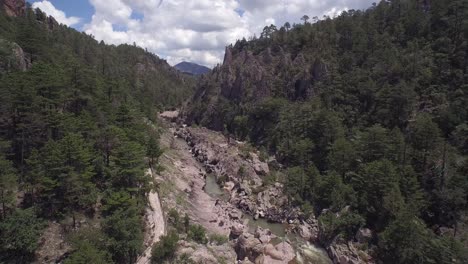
x,y
59,15
198,30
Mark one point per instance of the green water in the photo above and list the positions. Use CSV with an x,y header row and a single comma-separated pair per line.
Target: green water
x,y
212,188
305,251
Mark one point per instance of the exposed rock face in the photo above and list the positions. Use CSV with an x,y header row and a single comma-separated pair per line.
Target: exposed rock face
x,y
364,235
224,160
281,253
207,254
236,231
346,253
13,8
12,57
52,23
258,250
246,192
23,61
248,246
247,77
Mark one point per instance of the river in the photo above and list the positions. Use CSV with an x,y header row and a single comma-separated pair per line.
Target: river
x,y
305,251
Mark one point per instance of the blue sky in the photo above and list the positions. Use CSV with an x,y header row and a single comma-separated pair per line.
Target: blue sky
x,y
76,8
186,30
84,10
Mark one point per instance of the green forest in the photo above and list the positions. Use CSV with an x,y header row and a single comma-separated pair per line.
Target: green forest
x,y
366,114
380,139
75,129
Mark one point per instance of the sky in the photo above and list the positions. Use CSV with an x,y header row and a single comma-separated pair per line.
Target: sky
x,y
186,30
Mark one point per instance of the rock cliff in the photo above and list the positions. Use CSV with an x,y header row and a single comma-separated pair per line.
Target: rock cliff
x,y
247,77
12,57
13,8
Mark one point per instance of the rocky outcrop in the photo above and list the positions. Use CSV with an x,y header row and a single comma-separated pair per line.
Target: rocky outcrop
x,y
346,253
308,230
13,58
281,253
247,76
52,24
13,8
242,176
257,249
207,254
364,235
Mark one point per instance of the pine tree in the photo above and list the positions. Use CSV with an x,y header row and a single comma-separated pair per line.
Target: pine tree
x,y
342,157
377,185
20,236
129,167
153,151
35,174
124,229
8,185
76,187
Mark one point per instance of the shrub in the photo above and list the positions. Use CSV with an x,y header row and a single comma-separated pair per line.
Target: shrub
x,y
174,217
197,233
165,248
218,239
346,224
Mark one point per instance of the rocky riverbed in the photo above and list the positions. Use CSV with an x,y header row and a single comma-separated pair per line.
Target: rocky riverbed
x,y
219,183
241,179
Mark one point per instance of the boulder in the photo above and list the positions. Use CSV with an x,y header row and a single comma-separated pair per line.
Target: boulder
x,y
347,253
283,253
235,214
364,235
246,261
304,232
228,186
260,232
265,239
272,252
236,231
260,168
206,254
247,246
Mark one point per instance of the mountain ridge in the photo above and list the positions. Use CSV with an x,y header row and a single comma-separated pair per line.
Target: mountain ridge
x,y
192,68
77,121
347,102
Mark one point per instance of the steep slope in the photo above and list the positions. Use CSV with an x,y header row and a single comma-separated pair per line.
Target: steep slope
x,y
367,112
248,78
13,7
77,120
192,68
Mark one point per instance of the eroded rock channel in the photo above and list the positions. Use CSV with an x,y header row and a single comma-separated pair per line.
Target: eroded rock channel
x,y
227,195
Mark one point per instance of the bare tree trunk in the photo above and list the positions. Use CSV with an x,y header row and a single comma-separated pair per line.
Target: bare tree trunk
x,y
455,229
74,220
3,205
444,160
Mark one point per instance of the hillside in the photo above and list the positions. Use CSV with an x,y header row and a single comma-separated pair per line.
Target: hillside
x,y
339,140
367,111
77,120
192,68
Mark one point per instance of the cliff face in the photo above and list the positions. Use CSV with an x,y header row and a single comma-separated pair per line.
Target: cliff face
x,y
13,8
17,8
12,57
246,77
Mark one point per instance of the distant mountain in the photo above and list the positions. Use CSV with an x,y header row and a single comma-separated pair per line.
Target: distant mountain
x,y
192,68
